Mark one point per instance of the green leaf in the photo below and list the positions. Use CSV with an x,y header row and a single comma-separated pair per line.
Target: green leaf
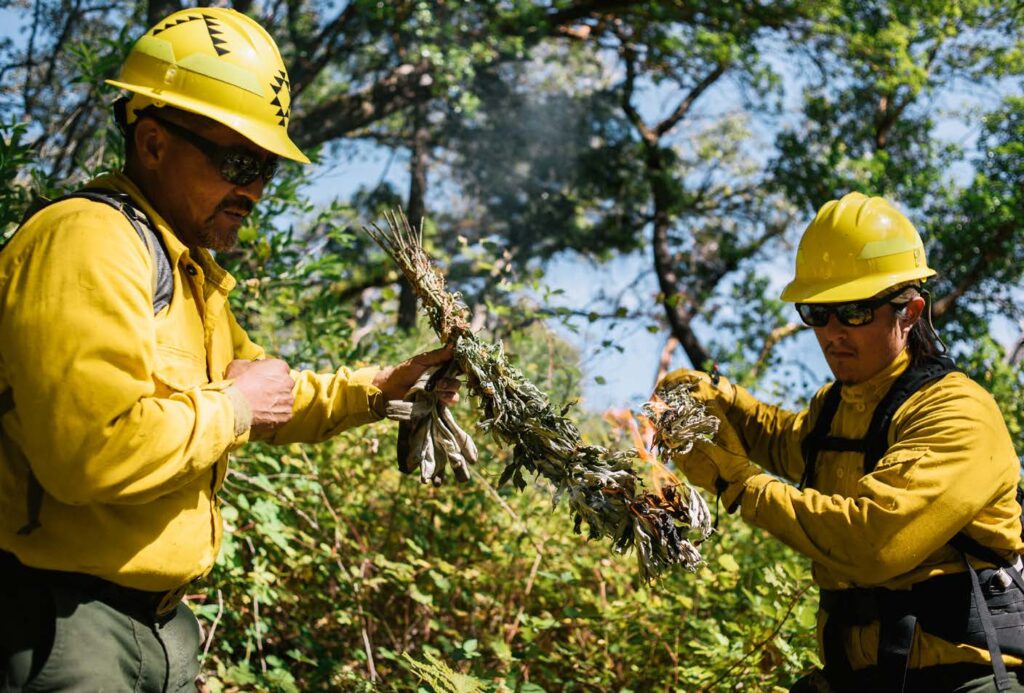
x,y
728,563
418,596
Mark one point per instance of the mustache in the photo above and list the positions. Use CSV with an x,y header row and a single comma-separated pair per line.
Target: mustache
x,y
236,203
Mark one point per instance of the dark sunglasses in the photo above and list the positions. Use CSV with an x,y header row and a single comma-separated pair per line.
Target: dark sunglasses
x,y
853,314
237,165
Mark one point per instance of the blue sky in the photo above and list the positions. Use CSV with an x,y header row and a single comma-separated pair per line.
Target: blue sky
x,y
612,378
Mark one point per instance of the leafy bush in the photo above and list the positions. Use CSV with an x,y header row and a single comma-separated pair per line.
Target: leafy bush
x,y
339,573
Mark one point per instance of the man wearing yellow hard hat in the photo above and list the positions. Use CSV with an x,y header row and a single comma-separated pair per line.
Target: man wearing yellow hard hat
x,y
125,380
899,481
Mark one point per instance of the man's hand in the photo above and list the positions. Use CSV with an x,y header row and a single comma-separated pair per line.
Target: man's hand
x,y
267,387
720,466
395,381
704,386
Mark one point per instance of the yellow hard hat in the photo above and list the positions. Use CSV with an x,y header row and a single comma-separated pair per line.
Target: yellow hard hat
x,y
220,64
855,248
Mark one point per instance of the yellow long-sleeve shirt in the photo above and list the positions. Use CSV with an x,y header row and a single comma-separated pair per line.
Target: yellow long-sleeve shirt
x,y
121,415
950,466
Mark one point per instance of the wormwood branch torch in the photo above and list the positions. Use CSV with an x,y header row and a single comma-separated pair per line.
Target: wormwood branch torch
x,y
600,486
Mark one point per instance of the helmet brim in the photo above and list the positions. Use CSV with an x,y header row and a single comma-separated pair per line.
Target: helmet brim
x,y
259,133
850,290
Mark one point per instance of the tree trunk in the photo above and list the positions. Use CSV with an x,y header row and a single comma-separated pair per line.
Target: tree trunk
x,y
678,310
417,207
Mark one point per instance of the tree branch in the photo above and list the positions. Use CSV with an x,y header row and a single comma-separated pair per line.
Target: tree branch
x,y
351,291
774,337
679,308
665,360
158,9
995,247
684,106
348,111
581,10
628,53
314,54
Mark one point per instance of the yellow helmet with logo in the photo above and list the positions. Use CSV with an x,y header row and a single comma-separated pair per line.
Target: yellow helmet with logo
x,y
220,64
855,248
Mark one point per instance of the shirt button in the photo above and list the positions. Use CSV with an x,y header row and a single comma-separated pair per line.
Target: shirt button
x,y
839,473
191,269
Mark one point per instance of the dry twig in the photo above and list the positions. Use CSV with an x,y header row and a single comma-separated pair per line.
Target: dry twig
x,y
600,486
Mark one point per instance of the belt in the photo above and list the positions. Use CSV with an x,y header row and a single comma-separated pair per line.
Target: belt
x,y
140,604
940,677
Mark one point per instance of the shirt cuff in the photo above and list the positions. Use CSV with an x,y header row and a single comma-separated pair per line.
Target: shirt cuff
x,y
363,378
243,412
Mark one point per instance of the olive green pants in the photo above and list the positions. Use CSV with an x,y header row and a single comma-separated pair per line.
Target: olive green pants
x,y
56,638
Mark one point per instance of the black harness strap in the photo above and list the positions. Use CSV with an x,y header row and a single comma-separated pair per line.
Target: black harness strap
x,y
967,546
815,440
911,380
895,638
991,639
163,275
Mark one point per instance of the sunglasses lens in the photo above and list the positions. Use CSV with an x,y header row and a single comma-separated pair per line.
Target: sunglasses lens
x,y
269,169
812,314
240,168
855,314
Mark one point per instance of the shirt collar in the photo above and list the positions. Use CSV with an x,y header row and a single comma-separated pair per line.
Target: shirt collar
x,y
874,388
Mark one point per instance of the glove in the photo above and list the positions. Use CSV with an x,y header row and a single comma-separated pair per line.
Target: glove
x,y
721,466
703,386
429,440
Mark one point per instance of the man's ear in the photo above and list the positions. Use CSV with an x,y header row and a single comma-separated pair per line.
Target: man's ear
x,y
150,143
912,312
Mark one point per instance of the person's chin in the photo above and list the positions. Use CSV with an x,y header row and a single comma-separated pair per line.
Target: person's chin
x,y
219,242
840,367
223,236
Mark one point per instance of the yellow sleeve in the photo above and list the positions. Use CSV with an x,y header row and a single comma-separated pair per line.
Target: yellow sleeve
x,y
78,342
770,434
952,458
245,348
325,403
328,403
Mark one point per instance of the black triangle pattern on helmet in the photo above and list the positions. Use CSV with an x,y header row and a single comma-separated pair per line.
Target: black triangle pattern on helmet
x,y
214,30
280,84
177,22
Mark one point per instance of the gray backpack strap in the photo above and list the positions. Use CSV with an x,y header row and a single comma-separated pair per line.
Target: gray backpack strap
x,y
163,277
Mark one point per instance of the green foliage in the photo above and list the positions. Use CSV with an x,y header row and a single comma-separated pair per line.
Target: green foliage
x,y
331,554
15,158
750,315
978,239
871,116
335,570
440,677
334,565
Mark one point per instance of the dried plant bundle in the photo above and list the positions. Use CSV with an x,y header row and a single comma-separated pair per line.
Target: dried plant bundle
x,y
600,486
